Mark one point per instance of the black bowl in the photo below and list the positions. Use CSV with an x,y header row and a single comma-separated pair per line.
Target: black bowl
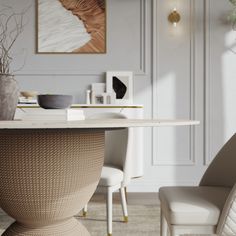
x,y
48,101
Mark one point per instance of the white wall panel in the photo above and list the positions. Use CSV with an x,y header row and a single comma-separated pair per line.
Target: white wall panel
x,y
174,83
220,77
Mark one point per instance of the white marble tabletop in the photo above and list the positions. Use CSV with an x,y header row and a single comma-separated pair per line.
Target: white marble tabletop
x,y
92,124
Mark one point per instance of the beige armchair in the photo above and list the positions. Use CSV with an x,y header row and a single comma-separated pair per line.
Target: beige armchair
x,y
227,222
208,208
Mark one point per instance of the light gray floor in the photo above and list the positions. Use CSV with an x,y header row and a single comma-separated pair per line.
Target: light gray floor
x,y
143,220
143,210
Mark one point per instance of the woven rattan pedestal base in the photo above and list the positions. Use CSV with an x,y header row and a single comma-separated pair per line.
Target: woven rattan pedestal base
x,y
70,227
47,176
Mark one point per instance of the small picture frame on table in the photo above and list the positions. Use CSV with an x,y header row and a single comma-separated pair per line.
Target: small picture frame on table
x,y
97,93
120,83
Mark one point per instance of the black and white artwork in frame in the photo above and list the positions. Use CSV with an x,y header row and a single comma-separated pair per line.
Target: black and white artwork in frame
x,y
120,82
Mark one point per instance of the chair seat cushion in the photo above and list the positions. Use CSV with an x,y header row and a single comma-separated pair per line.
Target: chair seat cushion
x,y
111,176
193,205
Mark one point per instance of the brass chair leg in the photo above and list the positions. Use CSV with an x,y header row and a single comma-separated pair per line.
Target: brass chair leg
x,y
84,213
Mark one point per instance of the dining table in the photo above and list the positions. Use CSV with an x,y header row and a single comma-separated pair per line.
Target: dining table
x,y
50,169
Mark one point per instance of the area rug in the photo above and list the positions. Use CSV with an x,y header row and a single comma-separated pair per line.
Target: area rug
x,y
143,220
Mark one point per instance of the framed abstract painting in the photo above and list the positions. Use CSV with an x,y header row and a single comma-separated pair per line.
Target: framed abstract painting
x,y
120,82
71,26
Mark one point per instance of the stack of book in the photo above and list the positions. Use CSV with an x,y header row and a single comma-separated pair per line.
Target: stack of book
x,y
30,100
53,114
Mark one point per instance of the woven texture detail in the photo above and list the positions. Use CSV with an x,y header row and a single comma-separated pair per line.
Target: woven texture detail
x,y
229,227
47,176
71,227
227,222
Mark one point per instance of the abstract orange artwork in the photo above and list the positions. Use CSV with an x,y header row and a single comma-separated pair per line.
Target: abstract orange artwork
x,y
71,26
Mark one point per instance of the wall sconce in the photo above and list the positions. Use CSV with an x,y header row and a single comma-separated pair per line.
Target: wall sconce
x,y
174,17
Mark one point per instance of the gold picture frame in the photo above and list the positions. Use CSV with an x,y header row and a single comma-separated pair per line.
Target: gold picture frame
x,y
89,35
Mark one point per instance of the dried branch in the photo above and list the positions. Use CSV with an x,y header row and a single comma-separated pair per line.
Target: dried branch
x,y
11,27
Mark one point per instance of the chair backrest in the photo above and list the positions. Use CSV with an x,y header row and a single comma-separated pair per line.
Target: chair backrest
x,y
117,146
222,170
227,223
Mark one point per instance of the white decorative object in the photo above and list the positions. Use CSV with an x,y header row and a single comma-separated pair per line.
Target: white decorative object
x,y
98,89
111,98
92,97
88,97
120,82
104,98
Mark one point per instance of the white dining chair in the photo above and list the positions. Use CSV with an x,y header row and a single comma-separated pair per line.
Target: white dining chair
x,y
197,210
116,172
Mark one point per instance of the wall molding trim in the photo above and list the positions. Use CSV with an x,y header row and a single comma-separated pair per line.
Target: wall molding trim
x,y
156,161
207,82
143,38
